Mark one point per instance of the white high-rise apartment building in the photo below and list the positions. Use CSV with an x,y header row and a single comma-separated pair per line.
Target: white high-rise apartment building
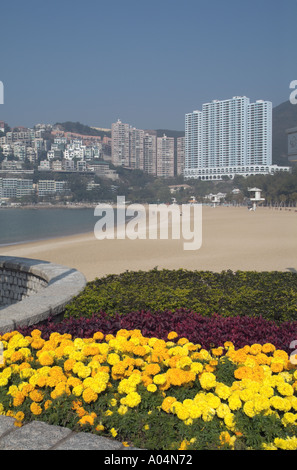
x,y
180,155
165,156
150,154
120,146
193,140
228,138
224,131
259,133
136,148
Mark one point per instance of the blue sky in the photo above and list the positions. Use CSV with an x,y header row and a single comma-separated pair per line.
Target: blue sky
x,y
146,63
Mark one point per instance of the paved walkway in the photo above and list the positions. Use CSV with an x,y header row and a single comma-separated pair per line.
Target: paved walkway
x,y
41,436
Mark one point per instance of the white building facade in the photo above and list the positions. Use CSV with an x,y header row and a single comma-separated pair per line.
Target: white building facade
x,y
228,138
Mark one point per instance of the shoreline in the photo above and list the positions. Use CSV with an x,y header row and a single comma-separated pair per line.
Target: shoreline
x,y
232,238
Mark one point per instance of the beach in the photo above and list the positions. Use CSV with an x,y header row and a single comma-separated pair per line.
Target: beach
x,y
232,238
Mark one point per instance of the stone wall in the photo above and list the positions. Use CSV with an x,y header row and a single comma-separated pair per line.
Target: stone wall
x,y
33,290
17,285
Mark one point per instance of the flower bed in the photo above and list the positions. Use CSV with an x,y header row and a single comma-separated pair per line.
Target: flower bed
x,y
209,332
152,393
272,295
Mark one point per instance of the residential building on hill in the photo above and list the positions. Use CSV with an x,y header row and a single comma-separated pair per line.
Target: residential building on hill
x,y
228,138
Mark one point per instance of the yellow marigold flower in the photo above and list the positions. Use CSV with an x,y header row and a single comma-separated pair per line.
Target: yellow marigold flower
x,y
113,359
18,398
268,348
207,380
122,409
88,419
19,416
152,369
113,432
286,444
151,388
225,438
289,418
35,408
139,362
78,390
36,395
279,353
167,403
184,445
68,364
26,388
217,351
98,336
182,341
37,343
249,409
261,403
3,381
131,400
285,389
229,420
41,381
208,414
18,424
196,367
73,381
17,356
139,350
184,362
91,350
47,404
172,335
35,333
280,403
276,366
268,446
180,410
178,351
293,401
222,390
89,395
100,427
212,400
46,358
266,391
60,389
255,349
234,402
81,370
12,390
159,379
246,394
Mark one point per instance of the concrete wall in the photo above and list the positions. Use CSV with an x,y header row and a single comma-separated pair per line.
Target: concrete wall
x,y
33,290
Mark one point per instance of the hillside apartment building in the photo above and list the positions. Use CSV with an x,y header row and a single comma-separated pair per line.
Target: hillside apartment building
x,y
228,138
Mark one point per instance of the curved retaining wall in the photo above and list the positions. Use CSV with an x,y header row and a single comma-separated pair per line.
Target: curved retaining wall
x,y
32,290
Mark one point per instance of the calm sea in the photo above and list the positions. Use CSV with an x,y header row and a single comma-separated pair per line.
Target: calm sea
x,y
25,225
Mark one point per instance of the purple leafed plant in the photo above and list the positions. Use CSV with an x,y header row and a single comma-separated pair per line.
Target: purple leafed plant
x,y
209,332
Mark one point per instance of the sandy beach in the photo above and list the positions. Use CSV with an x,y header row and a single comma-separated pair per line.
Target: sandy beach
x,y
232,238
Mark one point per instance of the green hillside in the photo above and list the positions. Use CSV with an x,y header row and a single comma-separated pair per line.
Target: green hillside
x,y
284,116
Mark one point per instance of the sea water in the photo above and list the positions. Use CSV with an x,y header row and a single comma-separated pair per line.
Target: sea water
x,y
21,225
